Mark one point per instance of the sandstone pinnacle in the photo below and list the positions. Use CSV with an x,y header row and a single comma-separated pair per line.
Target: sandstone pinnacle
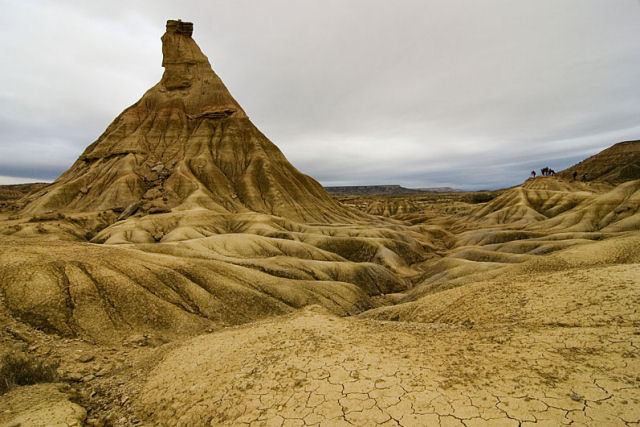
x,y
186,144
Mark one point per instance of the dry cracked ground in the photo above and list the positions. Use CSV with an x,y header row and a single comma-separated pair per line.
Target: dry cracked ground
x,y
565,354
518,317
553,359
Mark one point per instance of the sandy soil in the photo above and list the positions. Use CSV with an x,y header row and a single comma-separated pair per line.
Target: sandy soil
x,y
508,312
183,272
565,354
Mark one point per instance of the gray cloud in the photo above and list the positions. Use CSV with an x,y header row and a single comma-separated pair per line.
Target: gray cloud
x,y
448,92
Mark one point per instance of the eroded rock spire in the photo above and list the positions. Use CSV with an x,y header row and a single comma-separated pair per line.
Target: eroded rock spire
x,y
185,145
181,56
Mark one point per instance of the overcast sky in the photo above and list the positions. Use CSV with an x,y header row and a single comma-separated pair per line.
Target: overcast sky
x,y
463,93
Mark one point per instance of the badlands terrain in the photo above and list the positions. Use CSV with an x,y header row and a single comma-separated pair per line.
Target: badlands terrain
x,y
183,272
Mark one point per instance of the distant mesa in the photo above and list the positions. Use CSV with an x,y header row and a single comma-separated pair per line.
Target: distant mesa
x,y
186,144
440,190
386,189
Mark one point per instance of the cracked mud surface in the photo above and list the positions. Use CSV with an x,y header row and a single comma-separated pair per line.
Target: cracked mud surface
x,y
313,368
514,314
183,272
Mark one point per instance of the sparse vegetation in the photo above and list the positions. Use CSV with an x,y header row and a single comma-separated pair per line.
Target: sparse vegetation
x,y
481,197
18,368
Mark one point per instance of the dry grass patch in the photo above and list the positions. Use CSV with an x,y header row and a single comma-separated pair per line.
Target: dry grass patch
x,y
18,368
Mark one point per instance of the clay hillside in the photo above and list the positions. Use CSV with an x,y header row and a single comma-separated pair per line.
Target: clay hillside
x,y
614,165
183,273
11,194
226,229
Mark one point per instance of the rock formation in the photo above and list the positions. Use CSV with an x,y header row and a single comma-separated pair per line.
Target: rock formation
x,y
186,144
515,311
219,227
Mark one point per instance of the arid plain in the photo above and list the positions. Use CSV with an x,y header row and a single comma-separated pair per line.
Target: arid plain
x,y
183,272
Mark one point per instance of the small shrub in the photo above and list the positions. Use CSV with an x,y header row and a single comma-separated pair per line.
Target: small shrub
x,y
481,197
18,368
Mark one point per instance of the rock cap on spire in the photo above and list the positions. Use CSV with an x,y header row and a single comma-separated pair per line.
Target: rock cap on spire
x,y
179,27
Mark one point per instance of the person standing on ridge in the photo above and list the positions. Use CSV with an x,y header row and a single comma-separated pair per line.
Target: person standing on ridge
x,y
575,175
533,174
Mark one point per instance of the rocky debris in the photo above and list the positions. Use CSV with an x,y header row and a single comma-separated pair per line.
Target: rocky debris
x,y
159,168
85,357
128,211
96,421
468,323
71,376
18,334
47,216
101,371
143,340
156,207
41,405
